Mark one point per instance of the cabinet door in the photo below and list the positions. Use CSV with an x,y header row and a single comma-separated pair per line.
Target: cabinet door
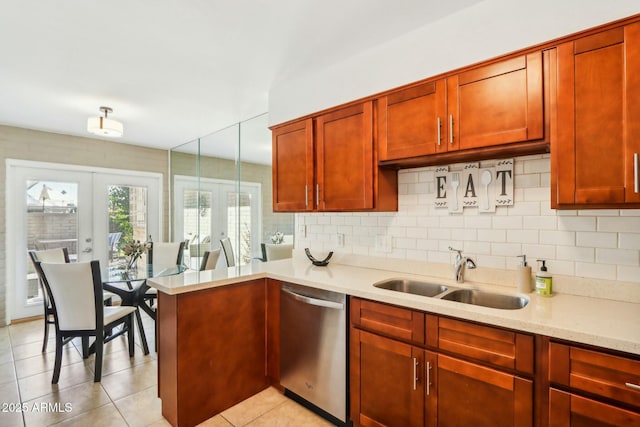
x,y
496,104
412,122
293,167
597,118
566,409
473,395
344,156
386,385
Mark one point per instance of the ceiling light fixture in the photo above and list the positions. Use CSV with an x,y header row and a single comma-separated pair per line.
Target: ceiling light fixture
x,y
103,126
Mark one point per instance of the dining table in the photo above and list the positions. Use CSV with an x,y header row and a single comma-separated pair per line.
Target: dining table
x,y
130,284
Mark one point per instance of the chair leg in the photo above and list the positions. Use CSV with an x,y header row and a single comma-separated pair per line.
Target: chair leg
x,y
46,332
85,347
58,360
143,335
131,335
98,369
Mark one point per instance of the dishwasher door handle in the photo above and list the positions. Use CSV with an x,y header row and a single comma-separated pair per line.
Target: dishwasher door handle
x,y
313,301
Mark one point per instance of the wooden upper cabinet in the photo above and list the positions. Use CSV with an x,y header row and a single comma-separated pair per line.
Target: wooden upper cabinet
x,y
598,120
412,121
293,167
500,103
344,156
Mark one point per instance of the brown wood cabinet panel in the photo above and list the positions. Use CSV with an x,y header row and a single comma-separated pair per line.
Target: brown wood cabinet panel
x,y
412,121
213,350
395,322
292,168
595,372
344,156
500,103
500,347
473,395
386,389
273,332
566,409
597,116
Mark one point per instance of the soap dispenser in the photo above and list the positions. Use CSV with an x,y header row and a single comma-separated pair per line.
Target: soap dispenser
x,y
544,281
523,276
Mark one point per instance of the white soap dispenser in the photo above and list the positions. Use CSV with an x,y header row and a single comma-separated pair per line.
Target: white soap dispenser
x,y
523,276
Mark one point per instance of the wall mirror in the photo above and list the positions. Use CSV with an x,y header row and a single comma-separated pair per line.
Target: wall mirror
x,y
221,188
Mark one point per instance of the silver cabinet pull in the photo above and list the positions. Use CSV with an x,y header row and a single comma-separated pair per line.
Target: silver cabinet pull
x,y
428,377
415,373
636,181
439,131
317,194
306,196
631,385
450,128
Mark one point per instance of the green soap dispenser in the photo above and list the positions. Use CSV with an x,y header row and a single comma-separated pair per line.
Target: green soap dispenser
x,y
544,281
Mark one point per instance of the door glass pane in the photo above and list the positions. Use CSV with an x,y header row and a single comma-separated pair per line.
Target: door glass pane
x,y
239,224
52,222
127,219
197,224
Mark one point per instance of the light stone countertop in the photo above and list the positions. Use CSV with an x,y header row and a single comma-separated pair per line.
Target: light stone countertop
x,y
602,322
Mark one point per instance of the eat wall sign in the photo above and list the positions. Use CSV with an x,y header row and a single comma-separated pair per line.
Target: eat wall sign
x,y
475,187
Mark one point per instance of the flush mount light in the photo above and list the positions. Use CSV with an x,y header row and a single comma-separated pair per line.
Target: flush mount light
x,y
103,126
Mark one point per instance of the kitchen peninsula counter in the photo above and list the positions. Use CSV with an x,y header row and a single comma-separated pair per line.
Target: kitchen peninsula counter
x,y
600,322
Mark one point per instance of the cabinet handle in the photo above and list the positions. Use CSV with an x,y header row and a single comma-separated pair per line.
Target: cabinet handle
x,y
415,373
317,194
636,181
439,132
428,377
450,128
306,196
631,385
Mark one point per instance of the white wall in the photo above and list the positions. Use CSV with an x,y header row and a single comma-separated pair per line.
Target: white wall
x,y
598,244
485,30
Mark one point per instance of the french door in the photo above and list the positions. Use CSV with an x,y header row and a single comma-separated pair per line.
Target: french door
x,y
92,213
207,210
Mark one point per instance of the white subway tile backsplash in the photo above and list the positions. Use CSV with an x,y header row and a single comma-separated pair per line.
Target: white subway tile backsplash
x,y
597,240
594,243
617,256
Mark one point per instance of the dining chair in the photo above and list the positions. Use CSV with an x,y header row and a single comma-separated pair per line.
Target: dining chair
x,y
76,297
163,255
281,251
228,252
210,259
60,256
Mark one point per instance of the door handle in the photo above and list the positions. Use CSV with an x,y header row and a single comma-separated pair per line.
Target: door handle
x,y
636,181
439,125
631,385
306,196
415,373
428,369
450,128
87,250
313,301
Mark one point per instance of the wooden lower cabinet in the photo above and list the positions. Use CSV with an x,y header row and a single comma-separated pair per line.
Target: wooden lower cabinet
x,y
384,384
211,350
473,395
567,409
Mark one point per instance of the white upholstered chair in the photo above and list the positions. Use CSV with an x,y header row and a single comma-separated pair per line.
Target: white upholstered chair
x,y
210,259
281,251
228,252
78,310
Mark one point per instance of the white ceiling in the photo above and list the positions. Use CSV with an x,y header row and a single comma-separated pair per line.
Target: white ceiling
x,y
176,70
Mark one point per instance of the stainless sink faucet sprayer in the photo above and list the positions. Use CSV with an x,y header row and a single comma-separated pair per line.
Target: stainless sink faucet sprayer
x,y
460,264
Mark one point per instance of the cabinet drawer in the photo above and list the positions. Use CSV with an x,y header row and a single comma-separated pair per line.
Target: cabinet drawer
x,y
566,409
500,347
595,372
396,322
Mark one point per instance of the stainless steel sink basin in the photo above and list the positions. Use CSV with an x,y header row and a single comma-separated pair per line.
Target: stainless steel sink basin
x,y
412,287
486,299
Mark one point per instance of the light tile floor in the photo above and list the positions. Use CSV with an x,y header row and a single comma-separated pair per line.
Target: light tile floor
x,y
126,396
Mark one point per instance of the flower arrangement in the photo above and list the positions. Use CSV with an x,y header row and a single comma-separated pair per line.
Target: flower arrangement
x,y
277,238
134,250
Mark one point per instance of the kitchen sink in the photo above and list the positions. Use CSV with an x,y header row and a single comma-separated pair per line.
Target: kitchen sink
x,y
486,299
415,287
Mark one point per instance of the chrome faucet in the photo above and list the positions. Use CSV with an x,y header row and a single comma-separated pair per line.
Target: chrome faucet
x,y
460,263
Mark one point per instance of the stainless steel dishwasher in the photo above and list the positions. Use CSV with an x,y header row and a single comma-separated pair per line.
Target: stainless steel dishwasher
x,y
313,347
